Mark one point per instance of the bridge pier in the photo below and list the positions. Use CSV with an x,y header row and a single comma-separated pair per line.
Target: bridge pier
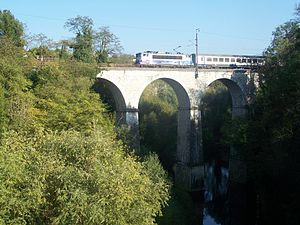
x,y
239,111
189,172
237,164
130,119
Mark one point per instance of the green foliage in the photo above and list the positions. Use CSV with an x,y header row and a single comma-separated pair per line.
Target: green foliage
x,y
63,179
215,113
11,28
123,59
82,26
3,112
272,138
279,97
65,98
157,175
41,47
180,209
63,50
279,117
280,89
90,45
158,121
16,98
235,134
102,56
60,160
106,44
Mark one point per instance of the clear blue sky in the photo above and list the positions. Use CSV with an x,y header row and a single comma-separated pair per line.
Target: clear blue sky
x,y
226,26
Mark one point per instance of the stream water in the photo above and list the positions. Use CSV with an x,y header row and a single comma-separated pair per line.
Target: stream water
x,y
225,202
215,209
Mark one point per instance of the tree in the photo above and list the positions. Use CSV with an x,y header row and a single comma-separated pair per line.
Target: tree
x,y
11,28
123,59
16,98
280,82
40,46
3,112
73,178
63,49
273,138
106,44
82,44
60,159
65,97
71,169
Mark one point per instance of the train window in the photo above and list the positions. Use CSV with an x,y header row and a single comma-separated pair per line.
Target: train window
x,y
215,59
232,60
248,60
226,59
221,59
167,57
202,59
254,60
238,60
243,60
208,59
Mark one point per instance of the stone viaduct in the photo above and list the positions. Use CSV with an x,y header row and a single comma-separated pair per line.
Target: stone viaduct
x,y
127,85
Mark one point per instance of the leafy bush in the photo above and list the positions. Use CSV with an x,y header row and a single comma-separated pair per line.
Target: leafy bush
x,y
71,178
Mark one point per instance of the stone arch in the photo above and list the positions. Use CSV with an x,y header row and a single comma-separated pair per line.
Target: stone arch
x,y
183,119
118,98
238,98
237,165
181,93
189,168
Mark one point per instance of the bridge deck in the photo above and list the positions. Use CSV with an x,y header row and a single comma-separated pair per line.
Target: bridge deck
x,y
166,69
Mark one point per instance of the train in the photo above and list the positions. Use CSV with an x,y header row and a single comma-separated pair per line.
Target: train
x,y
157,58
162,59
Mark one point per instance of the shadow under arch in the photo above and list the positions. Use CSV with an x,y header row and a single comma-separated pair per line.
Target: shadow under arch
x,y
112,95
241,198
237,164
183,118
183,153
181,94
238,98
188,168
174,124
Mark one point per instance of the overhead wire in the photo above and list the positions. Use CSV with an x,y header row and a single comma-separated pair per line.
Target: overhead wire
x,y
152,28
218,35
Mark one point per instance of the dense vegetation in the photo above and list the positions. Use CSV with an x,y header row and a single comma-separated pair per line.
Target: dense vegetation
x,y
271,139
60,159
277,126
